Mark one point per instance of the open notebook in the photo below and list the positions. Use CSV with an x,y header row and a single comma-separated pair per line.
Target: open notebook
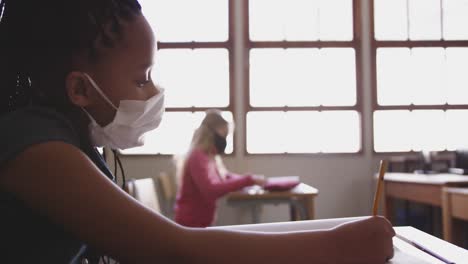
x,y
402,250
281,183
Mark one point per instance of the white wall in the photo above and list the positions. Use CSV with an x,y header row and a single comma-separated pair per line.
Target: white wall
x,y
344,182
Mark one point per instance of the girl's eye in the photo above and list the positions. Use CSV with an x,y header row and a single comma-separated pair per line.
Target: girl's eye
x,y
141,84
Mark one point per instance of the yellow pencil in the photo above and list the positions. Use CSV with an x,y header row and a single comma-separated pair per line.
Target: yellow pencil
x,y
382,170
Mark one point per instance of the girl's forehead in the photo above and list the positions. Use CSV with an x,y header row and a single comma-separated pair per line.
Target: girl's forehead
x,y
135,43
138,31
137,36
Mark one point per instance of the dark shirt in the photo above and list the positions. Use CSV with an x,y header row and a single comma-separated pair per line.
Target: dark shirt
x,y
26,236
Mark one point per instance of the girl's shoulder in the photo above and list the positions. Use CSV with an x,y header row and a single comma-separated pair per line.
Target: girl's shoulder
x,y
197,154
33,125
38,116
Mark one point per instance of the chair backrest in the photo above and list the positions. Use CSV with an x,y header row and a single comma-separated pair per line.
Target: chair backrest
x,y
167,186
144,191
454,206
168,190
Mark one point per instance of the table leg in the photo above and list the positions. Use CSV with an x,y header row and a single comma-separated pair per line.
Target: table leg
x,y
293,211
309,205
407,215
255,214
447,217
388,213
458,232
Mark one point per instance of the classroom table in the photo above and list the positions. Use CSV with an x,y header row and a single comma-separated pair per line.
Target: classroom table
x,y
422,188
300,200
454,207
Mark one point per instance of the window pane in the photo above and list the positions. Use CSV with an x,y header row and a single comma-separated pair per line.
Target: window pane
x,y
391,20
402,130
337,80
393,76
424,19
284,77
428,68
261,124
187,20
341,131
392,131
457,77
300,20
198,77
428,130
457,129
455,19
174,134
303,132
302,77
407,76
336,20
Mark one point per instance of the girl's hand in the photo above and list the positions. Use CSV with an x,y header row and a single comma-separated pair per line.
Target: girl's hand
x,y
258,179
364,241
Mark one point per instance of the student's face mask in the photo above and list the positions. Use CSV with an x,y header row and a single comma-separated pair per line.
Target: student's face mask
x,y
132,120
220,143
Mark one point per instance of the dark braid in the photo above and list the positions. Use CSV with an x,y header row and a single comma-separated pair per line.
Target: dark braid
x,y
40,38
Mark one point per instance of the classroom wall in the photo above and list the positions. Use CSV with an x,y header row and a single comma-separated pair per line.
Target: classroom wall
x,y
345,182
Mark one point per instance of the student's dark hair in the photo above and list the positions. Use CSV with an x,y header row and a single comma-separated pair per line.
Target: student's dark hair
x,y
40,38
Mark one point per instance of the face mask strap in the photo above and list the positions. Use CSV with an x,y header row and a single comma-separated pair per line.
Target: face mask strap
x,y
88,114
99,90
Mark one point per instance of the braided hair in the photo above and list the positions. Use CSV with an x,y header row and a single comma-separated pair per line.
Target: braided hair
x,y
40,38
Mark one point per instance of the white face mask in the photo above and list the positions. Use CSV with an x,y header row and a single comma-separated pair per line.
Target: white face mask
x,y
132,120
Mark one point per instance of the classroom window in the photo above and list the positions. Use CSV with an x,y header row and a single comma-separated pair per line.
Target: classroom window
x,y
302,77
188,20
193,63
303,132
302,88
292,20
420,52
195,77
174,134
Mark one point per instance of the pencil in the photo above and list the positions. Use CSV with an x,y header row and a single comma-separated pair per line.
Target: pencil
x,y
422,248
382,170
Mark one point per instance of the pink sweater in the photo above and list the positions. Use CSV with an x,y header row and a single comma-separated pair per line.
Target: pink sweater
x,y
200,188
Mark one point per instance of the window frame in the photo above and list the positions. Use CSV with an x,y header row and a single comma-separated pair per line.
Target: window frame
x,y
375,44
355,43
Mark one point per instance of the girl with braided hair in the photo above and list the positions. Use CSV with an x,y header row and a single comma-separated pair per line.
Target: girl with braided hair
x,y
74,75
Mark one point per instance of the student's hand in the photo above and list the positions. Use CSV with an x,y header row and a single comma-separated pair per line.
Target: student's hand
x,y
258,179
364,241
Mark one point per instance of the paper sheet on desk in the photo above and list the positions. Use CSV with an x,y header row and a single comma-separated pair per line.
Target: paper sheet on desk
x,y
400,257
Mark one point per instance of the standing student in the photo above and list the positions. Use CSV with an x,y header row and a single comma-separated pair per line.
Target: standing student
x,y
76,74
203,177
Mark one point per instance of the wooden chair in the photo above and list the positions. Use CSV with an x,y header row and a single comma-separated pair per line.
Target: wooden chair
x,y
454,207
167,186
168,191
144,191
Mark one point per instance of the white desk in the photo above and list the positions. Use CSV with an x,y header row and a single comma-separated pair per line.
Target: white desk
x,y
404,252
300,200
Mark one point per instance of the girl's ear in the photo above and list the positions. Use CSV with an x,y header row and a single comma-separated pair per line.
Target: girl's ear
x,y
79,90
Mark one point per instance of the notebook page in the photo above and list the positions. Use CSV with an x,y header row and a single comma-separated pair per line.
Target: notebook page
x,y
404,253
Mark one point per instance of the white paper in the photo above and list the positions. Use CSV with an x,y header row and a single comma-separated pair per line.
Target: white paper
x,y
404,254
402,257
291,226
